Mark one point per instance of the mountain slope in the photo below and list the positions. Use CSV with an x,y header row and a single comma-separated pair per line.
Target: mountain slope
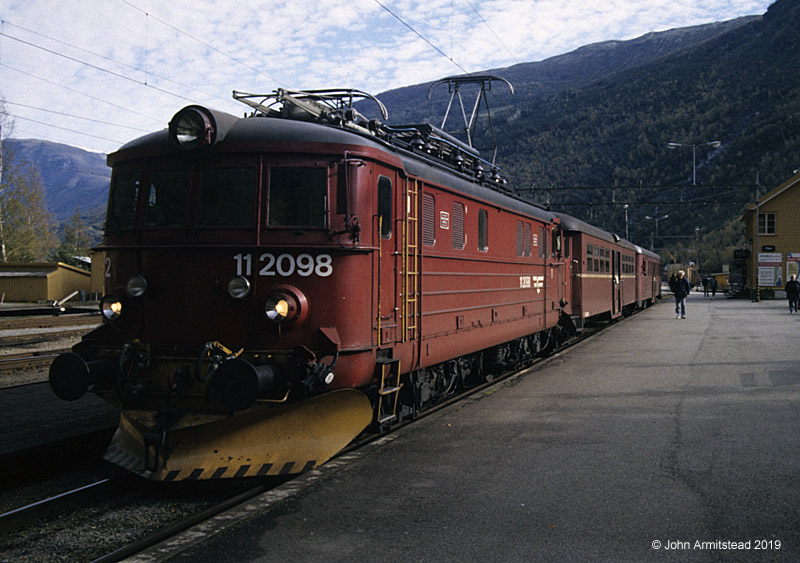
x,y
73,178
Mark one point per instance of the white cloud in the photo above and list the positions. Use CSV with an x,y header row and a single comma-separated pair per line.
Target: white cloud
x,y
111,59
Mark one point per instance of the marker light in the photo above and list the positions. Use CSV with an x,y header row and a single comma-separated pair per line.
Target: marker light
x,y
239,287
137,286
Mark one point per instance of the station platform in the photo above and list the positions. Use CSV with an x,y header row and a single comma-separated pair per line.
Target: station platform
x,y
656,440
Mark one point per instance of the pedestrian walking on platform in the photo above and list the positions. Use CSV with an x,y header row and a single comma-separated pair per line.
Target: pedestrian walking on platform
x,y
706,285
793,293
714,286
682,290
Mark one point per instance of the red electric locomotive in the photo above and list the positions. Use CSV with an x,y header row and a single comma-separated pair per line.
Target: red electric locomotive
x,y
279,282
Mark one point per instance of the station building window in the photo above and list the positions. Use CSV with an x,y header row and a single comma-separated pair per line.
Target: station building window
x,y
766,223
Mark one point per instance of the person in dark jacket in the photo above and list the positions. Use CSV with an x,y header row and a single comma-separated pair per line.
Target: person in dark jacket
x,y
793,293
682,290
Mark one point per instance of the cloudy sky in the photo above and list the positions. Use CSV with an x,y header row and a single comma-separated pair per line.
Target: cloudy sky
x,y
97,73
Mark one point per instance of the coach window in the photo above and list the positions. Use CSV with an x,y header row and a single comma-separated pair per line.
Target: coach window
x,y
556,240
428,220
589,261
385,206
483,230
227,197
122,204
457,225
167,198
298,197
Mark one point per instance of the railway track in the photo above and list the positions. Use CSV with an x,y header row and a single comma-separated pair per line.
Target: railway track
x,y
10,363
42,322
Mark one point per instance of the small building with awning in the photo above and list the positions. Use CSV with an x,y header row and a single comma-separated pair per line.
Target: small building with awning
x,y
41,281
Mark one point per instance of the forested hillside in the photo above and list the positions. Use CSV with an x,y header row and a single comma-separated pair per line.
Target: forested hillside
x,y
737,83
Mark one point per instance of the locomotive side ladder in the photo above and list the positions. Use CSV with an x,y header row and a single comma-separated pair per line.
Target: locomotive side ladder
x,y
410,301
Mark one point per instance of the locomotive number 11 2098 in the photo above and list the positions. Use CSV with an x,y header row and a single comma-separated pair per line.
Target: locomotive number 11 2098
x,y
285,265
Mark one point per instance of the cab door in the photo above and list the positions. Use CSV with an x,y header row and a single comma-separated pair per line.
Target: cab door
x,y
386,236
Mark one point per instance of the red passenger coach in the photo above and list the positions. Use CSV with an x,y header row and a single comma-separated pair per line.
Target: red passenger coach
x,y
277,283
610,276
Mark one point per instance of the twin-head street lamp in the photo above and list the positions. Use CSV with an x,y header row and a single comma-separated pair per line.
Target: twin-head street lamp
x,y
656,219
714,144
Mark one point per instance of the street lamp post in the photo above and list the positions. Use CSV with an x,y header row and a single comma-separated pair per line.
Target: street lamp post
x,y
656,219
697,250
625,207
674,146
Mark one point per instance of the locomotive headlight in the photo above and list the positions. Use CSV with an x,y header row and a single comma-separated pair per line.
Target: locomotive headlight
x,y
279,308
191,128
286,304
239,287
111,307
137,286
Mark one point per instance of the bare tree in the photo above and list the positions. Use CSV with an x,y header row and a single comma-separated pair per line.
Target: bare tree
x,y
26,227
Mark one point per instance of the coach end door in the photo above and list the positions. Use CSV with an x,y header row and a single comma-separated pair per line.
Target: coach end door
x,y
616,284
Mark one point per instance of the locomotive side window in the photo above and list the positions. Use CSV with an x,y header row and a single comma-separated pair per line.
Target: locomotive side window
x,y
167,198
227,197
457,225
542,242
428,220
385,206
528,239
520,236
483,230
122,205
297,197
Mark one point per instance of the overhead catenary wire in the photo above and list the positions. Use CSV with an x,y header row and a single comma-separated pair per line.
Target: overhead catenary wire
x,y
192,37
418,34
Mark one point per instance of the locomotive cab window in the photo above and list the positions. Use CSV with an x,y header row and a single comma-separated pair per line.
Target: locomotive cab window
x,y
227,197
167,198
122,202
385,206
298,197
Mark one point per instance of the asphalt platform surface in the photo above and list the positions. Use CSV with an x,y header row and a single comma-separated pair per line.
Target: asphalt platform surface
x,y
657,440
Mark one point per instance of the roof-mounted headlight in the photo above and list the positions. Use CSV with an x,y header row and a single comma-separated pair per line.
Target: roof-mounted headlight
x,y
137,286
192,128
